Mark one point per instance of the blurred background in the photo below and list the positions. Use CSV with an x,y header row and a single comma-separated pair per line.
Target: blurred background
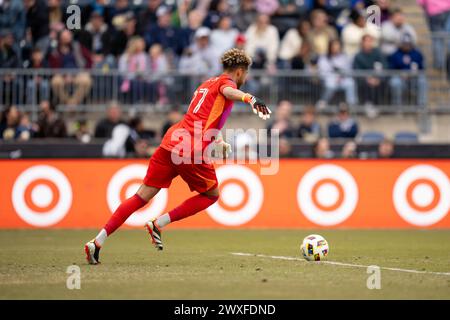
x,y
340,85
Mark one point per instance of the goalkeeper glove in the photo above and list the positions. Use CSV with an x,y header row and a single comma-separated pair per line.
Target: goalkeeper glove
x,y
258,106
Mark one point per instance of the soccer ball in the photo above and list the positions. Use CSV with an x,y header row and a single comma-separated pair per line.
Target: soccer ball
x,y
315,248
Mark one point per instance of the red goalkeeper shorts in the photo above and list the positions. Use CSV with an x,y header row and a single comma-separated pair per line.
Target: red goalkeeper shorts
x,y
161,171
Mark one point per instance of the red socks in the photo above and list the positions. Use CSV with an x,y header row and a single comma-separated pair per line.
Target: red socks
x,y
122,213
191,206
188,208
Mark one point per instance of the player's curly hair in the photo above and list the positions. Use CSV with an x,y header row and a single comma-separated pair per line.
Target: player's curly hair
x,y
235,58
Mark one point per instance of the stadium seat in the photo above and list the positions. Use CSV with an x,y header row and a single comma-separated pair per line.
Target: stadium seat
x,y
372,137
406,136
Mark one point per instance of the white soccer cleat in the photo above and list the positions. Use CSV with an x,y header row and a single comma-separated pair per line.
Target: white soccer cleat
x,y
155,233
92,251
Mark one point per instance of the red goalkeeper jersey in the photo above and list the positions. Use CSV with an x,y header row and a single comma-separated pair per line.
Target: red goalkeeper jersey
x,y
208,109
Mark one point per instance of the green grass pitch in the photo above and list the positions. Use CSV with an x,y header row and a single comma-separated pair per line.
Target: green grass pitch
x,y
198,264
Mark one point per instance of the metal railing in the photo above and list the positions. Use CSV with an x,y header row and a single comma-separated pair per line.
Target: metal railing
x,y
440,50
440,77
91,90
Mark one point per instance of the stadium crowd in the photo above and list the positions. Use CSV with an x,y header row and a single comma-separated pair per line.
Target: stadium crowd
x,y
154,37
330,38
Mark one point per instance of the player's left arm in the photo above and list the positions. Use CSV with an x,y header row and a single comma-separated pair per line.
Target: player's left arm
x,y
258,106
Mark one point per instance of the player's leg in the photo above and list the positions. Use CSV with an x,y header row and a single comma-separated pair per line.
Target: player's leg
x,y
159,175
188,208
125,209
201,178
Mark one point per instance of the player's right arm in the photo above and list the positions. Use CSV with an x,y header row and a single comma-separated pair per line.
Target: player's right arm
x,y
258,106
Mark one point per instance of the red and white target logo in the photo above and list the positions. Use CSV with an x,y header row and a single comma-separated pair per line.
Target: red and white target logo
x,y
241,196
42,195
124,184
327,195
421,195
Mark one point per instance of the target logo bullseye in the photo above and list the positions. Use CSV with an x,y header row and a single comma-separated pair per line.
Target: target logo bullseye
x,y
124,184
42,195
327,195
421,195
241,196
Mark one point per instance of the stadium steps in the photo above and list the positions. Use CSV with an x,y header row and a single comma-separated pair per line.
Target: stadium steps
x,y
438,86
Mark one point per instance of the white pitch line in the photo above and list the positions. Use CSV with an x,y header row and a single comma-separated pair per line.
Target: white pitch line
x,y
337,263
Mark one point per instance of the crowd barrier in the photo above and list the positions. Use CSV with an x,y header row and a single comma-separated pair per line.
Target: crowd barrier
x,y
70,148
301,194
91,90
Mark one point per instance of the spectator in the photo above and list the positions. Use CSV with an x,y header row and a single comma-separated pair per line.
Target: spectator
x,y
12,17
147,17
55,31
105,126
321,32
240,42
102,6
116,145
38,23
408,58
191,64
120,39
70,54
282,120
217,10
50,123
354,31
205,54
285,148
385,9
386,149
137,143
224,36
159,67
263,37
309,129
9,59
292,42
393,30
322,149
370,58
349,150
9,56
325,5
267,7
100,36
82,132
56,13
164,33
26,129
194,21
37,86
438,14
246,15
183,10
305,58
119,13
292,7
174,116
334,68
133,65
343,126
9,123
